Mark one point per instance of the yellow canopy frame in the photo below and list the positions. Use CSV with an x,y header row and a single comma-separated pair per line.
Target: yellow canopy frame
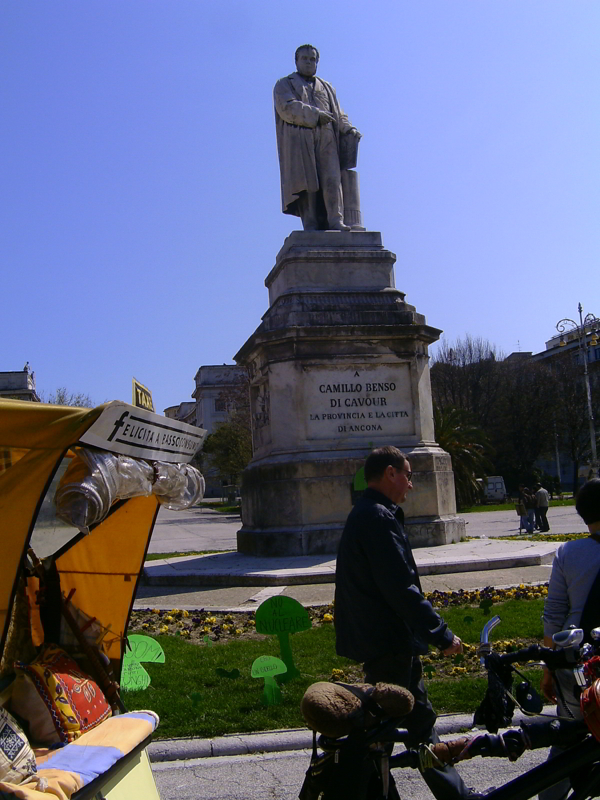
x,y
103,567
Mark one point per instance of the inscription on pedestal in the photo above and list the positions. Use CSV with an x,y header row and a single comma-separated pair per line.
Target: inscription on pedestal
x,y
374,400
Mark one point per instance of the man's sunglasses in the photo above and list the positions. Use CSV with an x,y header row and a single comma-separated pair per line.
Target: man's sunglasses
x,y
407,472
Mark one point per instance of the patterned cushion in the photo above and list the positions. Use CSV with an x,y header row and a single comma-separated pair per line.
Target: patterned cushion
x,y
56,698
17,762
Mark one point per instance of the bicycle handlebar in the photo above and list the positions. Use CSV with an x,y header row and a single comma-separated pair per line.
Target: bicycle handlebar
x,y
554,659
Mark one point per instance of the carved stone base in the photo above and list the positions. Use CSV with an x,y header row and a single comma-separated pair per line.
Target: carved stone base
x,y
297,505
338,366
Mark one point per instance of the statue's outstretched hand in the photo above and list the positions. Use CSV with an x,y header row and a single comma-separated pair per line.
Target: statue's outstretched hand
x,y
324,117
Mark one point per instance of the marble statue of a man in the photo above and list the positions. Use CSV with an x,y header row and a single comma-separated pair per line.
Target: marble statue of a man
x,y
315,142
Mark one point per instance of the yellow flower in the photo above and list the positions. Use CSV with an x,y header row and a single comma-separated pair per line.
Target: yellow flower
x,y
185,613
185,632
251,622
156,611
238,630
206,629
168,618
226,627
164,629
211,620
145,625
327,618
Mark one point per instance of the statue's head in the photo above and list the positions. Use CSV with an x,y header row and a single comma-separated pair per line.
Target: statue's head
x,y
307,58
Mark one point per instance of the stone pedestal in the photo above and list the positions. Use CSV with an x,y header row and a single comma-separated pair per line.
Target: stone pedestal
x,y
338,366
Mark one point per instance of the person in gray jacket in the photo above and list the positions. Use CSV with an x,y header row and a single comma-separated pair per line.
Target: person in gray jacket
x,y
542,502
574,570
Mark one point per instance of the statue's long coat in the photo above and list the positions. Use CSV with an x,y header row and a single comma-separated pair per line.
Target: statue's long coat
x,y
296,120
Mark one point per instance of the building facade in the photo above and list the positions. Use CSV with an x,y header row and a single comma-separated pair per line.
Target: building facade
x,y
184,412
19,385
213,385
578,348
214,399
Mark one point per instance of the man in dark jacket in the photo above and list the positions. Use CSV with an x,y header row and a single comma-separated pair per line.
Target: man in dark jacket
x,y
381,615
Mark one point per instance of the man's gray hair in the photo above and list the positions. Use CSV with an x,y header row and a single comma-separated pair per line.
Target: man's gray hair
x,y
306,47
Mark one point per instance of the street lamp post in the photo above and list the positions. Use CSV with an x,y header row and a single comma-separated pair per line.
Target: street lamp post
x,y
590,321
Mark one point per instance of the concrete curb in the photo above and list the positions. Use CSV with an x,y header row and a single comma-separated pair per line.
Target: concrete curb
x,y
230,745
161,573
277,741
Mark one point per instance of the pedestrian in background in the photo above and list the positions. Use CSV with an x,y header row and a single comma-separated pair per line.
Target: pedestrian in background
x,y
527,503
542,501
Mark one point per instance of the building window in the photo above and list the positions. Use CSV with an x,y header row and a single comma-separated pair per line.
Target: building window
x,y
220,405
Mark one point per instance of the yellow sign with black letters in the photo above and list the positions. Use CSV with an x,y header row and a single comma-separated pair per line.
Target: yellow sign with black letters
x,y
142,396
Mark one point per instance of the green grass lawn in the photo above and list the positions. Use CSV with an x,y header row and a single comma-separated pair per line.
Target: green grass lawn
x,y
521,619
511,506
192,699
223,508
156,556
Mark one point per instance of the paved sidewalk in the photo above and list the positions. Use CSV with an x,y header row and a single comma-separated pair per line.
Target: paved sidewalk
x,y
202,529
196,528
248,598
227,581
175,531
236,569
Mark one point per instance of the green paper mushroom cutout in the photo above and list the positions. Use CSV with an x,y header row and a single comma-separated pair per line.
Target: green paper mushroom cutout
x,y
139,648
267,667
280,616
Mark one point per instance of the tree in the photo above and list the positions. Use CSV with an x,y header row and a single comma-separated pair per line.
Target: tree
x,y
469,448
522,430
230,446
230,449
63,397
510,400
467,374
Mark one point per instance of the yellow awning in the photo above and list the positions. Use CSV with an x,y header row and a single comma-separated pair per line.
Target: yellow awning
x,y
103,567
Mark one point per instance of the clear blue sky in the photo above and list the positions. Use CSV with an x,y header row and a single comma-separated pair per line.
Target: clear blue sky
x,y
140,183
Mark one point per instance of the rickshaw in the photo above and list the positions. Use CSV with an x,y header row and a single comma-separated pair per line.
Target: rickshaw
x,y
80,491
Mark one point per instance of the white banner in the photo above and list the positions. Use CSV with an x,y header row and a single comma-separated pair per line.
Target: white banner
x,y
131,431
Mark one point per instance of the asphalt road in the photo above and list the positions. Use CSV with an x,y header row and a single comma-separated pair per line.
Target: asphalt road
x,y
279,776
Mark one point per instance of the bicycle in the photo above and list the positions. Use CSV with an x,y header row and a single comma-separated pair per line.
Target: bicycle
x,y
358,766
